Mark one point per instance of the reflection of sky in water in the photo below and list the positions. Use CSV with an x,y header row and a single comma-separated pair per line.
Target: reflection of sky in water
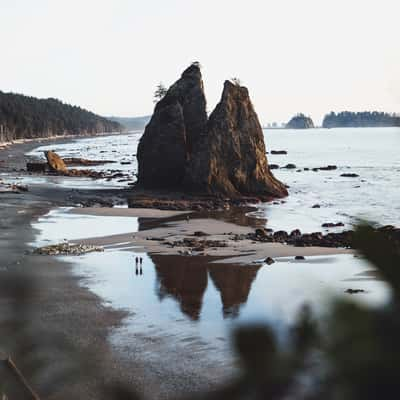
x,y
176,293
188,296
59,224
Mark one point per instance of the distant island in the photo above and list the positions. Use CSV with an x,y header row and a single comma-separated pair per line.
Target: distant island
x,y
132,123
300,121
24,117
347,119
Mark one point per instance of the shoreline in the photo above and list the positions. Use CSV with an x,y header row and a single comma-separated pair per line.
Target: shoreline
x,y
67,306
12,155
218,238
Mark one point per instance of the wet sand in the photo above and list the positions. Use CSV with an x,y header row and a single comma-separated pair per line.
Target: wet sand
x,y
63,306
157,240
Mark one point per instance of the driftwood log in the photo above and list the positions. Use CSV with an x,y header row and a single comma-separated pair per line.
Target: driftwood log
x,y
13,383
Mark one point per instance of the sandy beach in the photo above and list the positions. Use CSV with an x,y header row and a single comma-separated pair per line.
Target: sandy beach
x,y
67,308
158,240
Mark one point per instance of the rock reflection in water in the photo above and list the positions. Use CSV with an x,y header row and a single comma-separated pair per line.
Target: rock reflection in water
x,y
186,278
234,284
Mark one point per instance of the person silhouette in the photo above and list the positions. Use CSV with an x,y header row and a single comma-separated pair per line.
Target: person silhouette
x,y
141,271
137,260
141,260
136,270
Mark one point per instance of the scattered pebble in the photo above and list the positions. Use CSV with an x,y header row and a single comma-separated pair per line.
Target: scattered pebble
x,y
67,249
354,291
350,175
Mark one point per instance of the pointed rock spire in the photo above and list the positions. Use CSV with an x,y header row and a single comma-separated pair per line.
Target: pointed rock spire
x,y
166,145
222,156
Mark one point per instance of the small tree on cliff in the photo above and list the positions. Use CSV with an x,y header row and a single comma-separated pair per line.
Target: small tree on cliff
x,y
160,92
196,64
236,81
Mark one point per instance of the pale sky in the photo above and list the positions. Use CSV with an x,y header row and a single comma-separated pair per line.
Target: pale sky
x,y
309,56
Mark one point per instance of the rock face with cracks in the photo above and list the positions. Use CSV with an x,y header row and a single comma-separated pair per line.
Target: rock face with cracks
x,y
179,120
224,155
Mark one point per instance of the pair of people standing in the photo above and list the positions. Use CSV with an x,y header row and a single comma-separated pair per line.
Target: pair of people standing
x,y
139,263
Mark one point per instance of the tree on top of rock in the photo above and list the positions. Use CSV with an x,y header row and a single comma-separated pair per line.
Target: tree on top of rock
x,y
160,92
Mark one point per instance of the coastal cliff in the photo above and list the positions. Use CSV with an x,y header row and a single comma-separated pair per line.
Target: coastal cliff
x,y
24,117
223,155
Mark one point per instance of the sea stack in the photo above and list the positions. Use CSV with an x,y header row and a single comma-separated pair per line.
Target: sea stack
x,y
300,121
179,120
231,158
224,155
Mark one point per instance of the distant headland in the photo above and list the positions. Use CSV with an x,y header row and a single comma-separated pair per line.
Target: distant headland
x,y
366,119
343,119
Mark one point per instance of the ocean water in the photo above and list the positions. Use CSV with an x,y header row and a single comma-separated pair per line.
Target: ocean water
x,y
194,301
371,153
191,305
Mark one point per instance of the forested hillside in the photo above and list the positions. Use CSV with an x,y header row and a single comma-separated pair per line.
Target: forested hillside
x,y
360,119
29,117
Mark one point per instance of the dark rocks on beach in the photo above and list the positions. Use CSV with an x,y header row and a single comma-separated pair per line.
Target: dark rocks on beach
x,y
332,224
200,233
342,239
339,240
280,236
295,233
12,188
278,152
273,166
316,206
350,175
269,260
298,258
224,155
354,291
182,204
196,244
73,161
261,232
38,167
327,168
290,166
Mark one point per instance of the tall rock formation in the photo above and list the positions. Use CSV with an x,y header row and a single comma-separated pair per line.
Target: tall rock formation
x,y
300,121
231,157
178,121
224,155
